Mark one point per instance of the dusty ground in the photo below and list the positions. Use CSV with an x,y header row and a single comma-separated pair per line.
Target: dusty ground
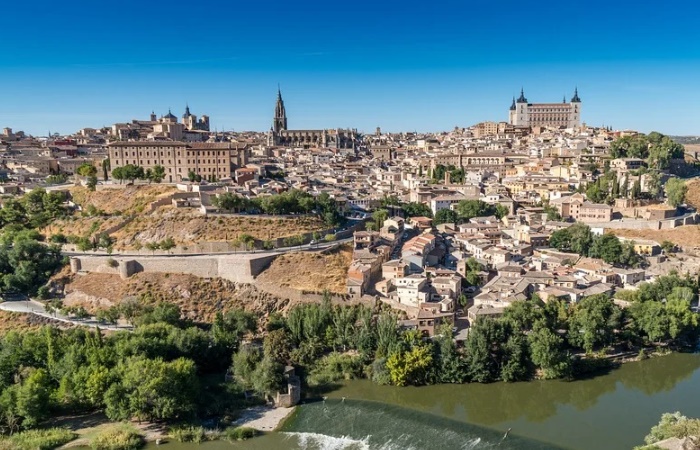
x,y
687,236
86,426
199,299
187,226
693,194
10,321
129,200
310,271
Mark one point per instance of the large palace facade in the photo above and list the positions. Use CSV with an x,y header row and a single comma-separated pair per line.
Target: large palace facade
x,y
558,115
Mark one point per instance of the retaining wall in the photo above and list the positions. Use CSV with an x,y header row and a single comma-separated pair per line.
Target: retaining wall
x,y
236,268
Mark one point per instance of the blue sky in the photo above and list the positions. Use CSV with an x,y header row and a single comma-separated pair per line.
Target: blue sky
x,y
425,66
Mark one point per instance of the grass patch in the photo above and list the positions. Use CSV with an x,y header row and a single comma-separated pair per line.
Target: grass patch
x,y
118,437
37,439
240,433
193,434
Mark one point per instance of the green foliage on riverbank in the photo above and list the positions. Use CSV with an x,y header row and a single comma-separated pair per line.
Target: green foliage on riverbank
x,y
118,437
45,439
161,371
673,425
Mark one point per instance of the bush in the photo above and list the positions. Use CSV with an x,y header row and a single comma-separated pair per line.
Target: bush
x,y
188,434
335,366
240,433
112,263
122,437
43,292
37,439
58,238
330,238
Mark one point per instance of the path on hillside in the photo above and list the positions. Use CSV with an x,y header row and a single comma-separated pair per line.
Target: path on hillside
x,y
38,309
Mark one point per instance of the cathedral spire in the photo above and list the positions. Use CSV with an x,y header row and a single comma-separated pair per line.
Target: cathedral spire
x,y
512,105
279,122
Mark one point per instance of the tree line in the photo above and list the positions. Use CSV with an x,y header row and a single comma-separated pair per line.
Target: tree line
x,y
293,201
579,239
158,372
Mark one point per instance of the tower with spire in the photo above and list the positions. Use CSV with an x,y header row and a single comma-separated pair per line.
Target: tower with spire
x,y
279,123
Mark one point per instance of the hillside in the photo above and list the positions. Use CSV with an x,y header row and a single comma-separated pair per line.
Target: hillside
x,y
199,299
686,236
692,197
188,226
310,271
127,200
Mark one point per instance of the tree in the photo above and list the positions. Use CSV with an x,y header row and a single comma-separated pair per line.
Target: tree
x,y
157,174
484,350
675,191
86,170
636,191
416,209
379,216
105,168
445,216
409,367
467,209
547,352
673,425
592,323
608,248
91,182
33,398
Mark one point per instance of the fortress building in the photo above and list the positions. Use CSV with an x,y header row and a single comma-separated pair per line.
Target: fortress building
x,y
333,138
557,115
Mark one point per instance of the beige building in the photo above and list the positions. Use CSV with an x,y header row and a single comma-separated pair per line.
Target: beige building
x,y
576,207
558,115
212,161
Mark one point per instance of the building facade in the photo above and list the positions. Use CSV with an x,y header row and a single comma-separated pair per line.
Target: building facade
x,y
212,161
331,138
557,115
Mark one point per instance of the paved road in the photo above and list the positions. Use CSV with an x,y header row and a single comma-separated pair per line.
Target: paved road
x,y
37,308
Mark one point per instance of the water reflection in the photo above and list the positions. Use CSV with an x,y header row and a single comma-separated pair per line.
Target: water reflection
x,y
535,401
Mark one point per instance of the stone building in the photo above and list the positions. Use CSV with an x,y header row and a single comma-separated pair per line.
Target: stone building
x,y
332,138
558,115
212,161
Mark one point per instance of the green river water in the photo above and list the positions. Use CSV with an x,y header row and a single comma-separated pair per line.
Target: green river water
x,y
607,412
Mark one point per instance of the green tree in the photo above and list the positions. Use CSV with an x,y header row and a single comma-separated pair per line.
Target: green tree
x,y
592,323
675,191
467,209
445,216
547,352
33,398
409,367
157,174
608,248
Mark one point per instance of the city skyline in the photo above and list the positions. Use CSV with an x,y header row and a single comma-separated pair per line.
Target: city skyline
x,y
377,65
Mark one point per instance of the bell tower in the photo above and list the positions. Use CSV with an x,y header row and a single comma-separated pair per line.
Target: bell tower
x,y
279,123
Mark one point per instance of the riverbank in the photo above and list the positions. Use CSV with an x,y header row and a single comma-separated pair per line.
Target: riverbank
x,y
263,418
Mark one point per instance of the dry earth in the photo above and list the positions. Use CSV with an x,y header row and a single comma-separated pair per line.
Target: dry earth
x,y
129,200
687,236
187,227
199,299
693,194
311,271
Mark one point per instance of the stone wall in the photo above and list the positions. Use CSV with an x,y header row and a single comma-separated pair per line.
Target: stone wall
x,y
236,268
688,219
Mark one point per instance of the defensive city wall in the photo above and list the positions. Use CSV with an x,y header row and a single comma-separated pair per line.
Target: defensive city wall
x,y
236,268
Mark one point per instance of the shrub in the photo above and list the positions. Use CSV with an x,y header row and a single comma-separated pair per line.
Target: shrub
x,y
188,434
330,237
112,263
58,238
121,437
240,433
43,292
37,439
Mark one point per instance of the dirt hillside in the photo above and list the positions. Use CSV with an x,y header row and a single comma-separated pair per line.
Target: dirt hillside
x,y
310,271
199,299
187,226
129,200
687,236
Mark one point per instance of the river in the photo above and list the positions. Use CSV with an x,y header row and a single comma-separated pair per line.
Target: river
x,y
612,411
